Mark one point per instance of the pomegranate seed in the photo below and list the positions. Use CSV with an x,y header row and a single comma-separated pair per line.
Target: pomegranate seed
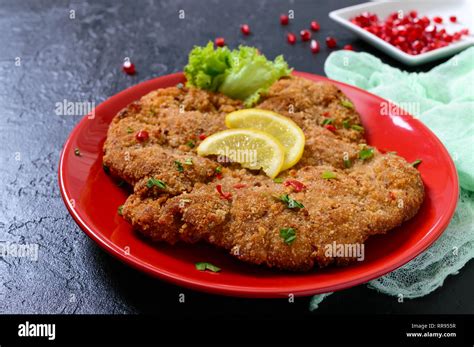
x,y
413,14
128,68
314,46
464,32
330,127
453,19
348,48
284,19
331,42
202,137
245,29
326,114
291,38
220,42
219,176
142,136
438,20
314,26
305,35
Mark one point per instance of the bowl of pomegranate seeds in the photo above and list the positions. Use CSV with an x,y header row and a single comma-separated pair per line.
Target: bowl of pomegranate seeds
x,y
413,32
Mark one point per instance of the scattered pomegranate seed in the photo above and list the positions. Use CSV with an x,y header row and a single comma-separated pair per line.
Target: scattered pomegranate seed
x,y
202,137
291,38
331,42
219,176
240,185
220,42
142,135
314,46
453,19
284,19
330,127
411,34
348,48
245,29
314,26
297,185
305,35
128,68
226,196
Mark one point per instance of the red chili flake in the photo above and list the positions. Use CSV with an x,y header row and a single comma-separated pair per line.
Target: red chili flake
x,y
392,195
297,185
453,19
291,38
348,48
202,137
331,42
438,20
220,42
245,29
226,196
240,185
330,127
219,176
305,35
314,46
142,135
314,26
284,19
128,68
326,114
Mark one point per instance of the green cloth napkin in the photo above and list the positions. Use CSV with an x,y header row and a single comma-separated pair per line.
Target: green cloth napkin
x,y
443,99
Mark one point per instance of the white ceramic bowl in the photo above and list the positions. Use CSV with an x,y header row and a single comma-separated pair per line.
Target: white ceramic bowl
x,y
462,9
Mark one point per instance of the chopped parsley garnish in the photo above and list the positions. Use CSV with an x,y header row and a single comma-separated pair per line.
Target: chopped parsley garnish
x,y
77,152
357,127
347,103
347,163
346,124
278,180
129,130
366,153
203,266
327,121
416,163
120,209
155,182
289,202
190,144
179,166
106,169
219,169
188,161
288,235
328,175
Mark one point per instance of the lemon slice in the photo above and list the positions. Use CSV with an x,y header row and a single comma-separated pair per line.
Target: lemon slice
x,y
251,148
282,128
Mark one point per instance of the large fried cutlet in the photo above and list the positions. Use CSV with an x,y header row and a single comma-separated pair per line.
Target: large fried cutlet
x,y
370,197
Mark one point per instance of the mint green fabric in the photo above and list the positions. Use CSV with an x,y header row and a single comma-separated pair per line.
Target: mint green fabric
x,y
443,99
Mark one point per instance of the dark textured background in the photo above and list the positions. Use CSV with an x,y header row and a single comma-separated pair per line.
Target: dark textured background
x,y
79,60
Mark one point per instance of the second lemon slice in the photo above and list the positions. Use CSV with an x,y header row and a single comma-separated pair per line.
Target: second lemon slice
x,y
287,132
251,148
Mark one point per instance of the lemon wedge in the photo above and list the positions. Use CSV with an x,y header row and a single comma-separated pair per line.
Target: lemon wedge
x,y
253,149
287,132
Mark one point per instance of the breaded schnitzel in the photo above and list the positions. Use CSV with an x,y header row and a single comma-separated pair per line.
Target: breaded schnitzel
x,y
363,195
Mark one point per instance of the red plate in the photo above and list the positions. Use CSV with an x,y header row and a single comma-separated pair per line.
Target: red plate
x,y
92,199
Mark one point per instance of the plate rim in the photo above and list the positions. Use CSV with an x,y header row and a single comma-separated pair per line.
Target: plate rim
x,y
304,289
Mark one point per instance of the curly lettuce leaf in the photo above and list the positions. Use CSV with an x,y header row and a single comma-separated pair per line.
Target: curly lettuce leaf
x,y
242,73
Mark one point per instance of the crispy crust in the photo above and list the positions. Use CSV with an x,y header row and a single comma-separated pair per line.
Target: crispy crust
x,y
371,197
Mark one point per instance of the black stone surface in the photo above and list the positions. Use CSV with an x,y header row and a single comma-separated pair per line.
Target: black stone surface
x,y
79,60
